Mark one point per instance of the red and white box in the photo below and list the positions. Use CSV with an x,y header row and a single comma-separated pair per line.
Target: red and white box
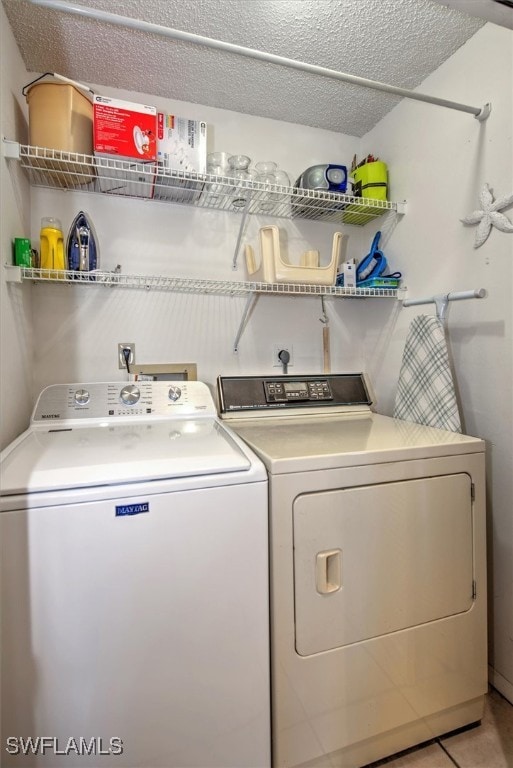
x,y
126,131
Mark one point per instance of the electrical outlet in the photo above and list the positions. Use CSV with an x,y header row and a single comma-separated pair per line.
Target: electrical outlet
x,y
276,351
121,358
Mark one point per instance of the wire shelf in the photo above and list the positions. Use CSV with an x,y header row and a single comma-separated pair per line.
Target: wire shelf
x,y
190,285
67,170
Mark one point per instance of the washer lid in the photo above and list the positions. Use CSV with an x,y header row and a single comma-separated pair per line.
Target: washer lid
x,y
65,458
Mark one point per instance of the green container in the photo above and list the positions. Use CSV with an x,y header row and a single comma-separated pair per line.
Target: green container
x,y
371,180
22,256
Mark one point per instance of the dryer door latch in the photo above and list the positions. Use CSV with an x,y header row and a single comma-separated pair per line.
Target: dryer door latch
x,y
328,571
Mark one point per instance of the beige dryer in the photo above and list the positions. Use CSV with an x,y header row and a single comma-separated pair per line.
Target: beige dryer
x,y
378,579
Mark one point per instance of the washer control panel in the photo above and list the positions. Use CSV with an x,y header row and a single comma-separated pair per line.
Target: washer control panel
x,y
112,400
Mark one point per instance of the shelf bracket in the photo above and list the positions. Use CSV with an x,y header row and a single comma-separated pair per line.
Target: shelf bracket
x,y
12,274
241,232
250,303
10,149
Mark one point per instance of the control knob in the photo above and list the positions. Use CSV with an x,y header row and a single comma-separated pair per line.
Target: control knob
x,y
81,397
174,393
129,395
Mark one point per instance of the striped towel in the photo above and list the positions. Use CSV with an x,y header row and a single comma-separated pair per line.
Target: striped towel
x,y
425,392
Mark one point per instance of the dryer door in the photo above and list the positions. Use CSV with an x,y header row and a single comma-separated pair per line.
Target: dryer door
x,y
377,559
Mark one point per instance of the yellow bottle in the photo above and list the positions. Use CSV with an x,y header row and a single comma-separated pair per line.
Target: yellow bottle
x,y
52,246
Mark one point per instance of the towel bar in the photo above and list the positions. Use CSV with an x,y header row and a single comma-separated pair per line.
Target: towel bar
x,y
442,300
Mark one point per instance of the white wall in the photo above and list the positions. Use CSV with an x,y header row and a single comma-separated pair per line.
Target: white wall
x,y
78,328
15,307
439,161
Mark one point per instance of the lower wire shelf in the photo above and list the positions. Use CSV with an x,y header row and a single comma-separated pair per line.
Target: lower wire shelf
x,y
191,285
251,290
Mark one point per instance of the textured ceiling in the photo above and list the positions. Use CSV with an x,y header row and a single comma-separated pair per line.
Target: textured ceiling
x,y
394,41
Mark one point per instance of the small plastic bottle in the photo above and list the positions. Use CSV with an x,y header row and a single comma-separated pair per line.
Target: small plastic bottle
x,y
52,246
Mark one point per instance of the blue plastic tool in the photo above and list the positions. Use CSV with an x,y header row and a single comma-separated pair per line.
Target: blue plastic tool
x,y
374,264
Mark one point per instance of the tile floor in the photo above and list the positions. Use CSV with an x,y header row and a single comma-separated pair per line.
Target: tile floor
x,y
489,745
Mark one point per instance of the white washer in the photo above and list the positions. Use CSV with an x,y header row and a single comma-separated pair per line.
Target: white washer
x,y
378,580
134,574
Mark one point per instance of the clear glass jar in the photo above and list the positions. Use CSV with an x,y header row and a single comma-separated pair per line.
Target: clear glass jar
x,y
282,178
266,198
266,166
241,190
239,162
218,160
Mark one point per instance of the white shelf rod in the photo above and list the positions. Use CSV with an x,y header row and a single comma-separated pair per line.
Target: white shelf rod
x,y
241,230
250,303
480,113
442,300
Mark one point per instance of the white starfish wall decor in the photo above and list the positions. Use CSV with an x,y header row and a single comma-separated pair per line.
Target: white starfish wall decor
x,y
489,215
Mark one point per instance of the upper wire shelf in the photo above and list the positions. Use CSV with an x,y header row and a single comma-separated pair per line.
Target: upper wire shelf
x,y
86,173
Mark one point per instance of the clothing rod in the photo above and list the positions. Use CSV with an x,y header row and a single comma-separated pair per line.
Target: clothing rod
x,y
480,113
477,293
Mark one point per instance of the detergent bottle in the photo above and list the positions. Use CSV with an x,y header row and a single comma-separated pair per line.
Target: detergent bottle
x,y
52,246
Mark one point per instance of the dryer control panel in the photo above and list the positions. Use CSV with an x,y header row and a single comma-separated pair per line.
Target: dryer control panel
x,y
295,391
262,393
